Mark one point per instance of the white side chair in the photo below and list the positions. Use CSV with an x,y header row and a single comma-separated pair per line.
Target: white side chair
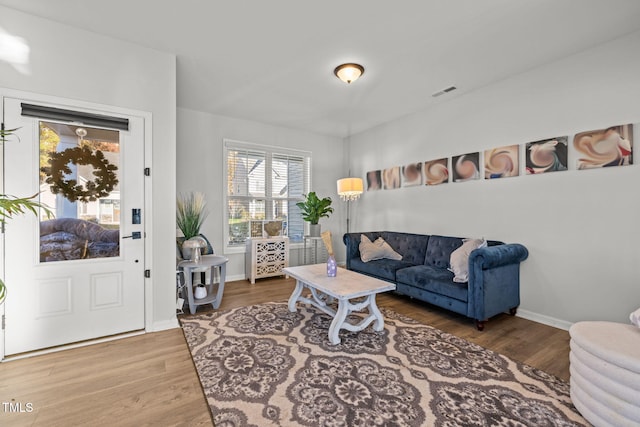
x,y
605,372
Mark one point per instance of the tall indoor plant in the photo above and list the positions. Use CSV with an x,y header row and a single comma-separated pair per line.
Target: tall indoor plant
x,y
313,208
11,206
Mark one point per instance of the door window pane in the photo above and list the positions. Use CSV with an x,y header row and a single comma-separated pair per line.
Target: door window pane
x,y
80,180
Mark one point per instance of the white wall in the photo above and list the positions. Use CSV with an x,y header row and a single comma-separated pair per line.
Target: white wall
x,y
581,227
200,168
76,64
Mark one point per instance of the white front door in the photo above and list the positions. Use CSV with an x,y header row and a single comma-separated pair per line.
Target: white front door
x,y
79,275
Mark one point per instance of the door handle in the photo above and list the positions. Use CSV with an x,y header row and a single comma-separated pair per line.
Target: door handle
x,y
135,235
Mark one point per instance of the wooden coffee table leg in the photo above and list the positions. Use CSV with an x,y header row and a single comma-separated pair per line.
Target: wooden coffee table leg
x,y
295,295
338,321
378,325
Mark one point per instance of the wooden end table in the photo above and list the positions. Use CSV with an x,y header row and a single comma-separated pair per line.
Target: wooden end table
x,y
212,261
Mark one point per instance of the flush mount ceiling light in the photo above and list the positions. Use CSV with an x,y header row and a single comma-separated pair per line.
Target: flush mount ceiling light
x,y
349,72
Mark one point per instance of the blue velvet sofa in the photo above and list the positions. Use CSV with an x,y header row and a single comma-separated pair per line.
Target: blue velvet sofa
x,y
494,272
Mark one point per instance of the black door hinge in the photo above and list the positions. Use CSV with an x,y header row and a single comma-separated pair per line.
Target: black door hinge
x,y
147,273
147,171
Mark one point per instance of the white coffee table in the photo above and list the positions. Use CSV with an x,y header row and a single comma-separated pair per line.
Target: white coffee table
x,y
345,286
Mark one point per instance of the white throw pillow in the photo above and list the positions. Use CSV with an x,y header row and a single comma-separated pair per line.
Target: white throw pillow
x,y
635,317
459,260
379,249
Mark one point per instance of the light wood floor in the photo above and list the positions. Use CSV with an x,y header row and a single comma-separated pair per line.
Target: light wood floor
x,y
150,379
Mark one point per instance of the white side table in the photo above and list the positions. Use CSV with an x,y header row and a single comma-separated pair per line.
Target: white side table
x,y
315,246
189,267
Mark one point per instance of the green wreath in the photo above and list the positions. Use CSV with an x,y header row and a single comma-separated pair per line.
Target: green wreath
x,y
58,167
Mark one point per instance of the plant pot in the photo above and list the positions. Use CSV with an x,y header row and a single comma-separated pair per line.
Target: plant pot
x,y
186,253
315,230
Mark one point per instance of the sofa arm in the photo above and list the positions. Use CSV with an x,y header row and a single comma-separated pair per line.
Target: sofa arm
x,y
352,242
494,280
497,256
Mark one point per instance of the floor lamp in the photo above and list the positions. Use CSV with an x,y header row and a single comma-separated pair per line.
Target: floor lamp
x,y
350,189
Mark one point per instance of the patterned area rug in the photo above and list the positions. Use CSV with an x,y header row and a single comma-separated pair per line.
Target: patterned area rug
x,y
263,365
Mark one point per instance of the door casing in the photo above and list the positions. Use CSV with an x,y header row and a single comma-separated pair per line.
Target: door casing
x,y
148,202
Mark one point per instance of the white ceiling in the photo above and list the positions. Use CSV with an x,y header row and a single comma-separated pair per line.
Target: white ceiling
x,y
272,61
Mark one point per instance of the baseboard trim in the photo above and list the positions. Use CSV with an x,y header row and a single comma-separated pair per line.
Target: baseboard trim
x,y
545,320
164,325
235,277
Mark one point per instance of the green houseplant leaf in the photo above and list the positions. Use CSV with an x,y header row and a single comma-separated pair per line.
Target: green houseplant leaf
x,y
313,208
10,206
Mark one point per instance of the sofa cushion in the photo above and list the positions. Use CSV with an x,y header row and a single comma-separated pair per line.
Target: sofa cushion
x,y
439,250
433,279
382,268
412,247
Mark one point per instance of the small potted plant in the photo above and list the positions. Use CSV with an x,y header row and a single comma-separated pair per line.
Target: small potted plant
x,y
190,215
314,208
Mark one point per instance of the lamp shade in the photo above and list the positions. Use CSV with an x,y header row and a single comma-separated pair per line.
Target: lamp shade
x,y
350,188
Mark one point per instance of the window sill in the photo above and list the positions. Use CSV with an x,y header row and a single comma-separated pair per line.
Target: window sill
x,y
230,250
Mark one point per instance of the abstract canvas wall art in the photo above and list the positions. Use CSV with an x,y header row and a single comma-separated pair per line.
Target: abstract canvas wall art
x,y
502,162
612,146
374,180
436,172
391,178
466,167
547,155
412,175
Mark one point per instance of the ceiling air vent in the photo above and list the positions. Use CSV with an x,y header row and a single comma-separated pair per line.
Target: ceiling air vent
x,y
443,91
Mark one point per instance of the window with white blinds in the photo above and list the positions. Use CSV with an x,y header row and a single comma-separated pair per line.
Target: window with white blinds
x,y
264,183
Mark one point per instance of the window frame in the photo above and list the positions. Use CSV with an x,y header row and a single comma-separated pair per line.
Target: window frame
x,y
269,151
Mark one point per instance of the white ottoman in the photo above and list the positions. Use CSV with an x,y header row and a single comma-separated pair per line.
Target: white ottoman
x,y
605,372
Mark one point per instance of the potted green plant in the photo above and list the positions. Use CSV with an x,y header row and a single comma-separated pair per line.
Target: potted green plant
x,y
313,208
190,215
11,206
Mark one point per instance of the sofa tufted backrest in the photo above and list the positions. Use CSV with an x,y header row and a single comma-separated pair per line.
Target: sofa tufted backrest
x,y
412,247
439,250
415,248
